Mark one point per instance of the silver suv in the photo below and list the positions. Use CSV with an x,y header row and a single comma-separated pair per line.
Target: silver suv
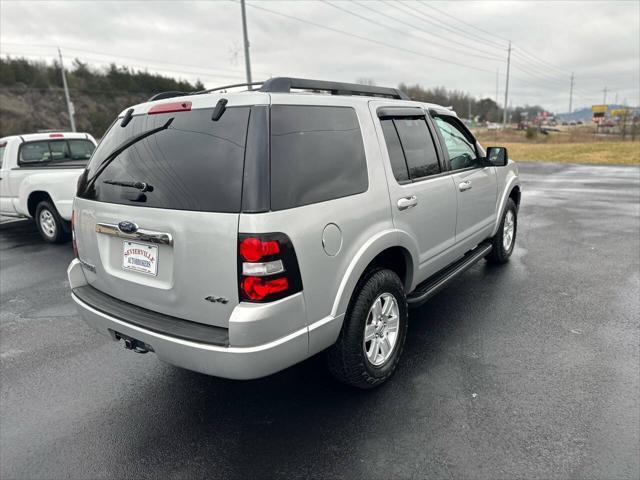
x,y
236,234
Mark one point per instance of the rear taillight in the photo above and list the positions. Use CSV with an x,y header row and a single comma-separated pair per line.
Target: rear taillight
x,y
267,267
73,234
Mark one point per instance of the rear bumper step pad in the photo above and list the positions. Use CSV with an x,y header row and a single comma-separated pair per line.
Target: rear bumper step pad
x,y
150,320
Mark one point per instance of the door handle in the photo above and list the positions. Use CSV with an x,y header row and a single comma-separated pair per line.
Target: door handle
x,y
407,202
464,186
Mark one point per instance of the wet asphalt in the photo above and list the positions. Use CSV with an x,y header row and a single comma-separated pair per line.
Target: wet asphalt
x,y
530,370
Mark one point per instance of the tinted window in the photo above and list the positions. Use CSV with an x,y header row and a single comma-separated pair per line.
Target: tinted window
x,y
396,157
34,152
417,144
3,146
59,151
317,154
81,149
73,151
195,164
462,152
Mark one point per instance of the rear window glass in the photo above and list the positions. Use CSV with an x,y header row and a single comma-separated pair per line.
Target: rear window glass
x,y
196,164
45,152
317,154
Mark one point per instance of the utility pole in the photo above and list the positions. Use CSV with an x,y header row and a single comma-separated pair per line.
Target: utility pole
x,y
66,94
604,100
497,94
247,60
506,89
469,98
571,95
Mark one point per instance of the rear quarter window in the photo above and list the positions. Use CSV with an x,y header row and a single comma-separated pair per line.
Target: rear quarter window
x,y
317,154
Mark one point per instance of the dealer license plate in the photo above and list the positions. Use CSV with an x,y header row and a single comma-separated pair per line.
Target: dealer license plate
x,y
140,258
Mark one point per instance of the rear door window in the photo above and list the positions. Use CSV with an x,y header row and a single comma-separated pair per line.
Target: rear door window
x,y
418,146
396,155
411,148
317,154
195,164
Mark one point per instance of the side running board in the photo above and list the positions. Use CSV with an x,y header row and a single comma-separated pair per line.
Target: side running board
x,y
437,282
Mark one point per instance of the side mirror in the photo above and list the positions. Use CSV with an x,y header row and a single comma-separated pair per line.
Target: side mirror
x,y
497,157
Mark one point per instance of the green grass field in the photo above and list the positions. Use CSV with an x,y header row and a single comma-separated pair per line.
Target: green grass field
x,y
620,153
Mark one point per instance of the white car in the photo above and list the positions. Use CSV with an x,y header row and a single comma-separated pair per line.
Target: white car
x,y
38,178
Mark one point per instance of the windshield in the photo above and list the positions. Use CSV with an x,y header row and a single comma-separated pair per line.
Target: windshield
x,y
194,164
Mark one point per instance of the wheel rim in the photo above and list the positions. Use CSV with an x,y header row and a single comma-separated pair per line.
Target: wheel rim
x,y
508,231
47,223
381,329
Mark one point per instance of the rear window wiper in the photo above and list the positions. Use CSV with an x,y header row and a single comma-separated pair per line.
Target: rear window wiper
x,y
143,186
126,144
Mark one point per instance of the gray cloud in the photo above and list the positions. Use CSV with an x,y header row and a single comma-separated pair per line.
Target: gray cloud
x,y
599,41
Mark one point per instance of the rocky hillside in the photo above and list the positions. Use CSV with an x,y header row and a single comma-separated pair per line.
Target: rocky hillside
x,y
32,98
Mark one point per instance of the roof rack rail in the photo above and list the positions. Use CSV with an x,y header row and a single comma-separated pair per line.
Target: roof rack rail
x,y
175,93
208,90
285,85
170,94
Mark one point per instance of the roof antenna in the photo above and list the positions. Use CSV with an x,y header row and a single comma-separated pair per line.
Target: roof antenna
x,y
221,106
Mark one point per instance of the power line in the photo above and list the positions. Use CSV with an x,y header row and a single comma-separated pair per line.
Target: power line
x,y
154,61
525,54
414,13
404,32
467,24
366,39
211,74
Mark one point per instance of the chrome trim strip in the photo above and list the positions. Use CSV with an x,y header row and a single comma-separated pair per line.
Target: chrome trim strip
x,y
143,235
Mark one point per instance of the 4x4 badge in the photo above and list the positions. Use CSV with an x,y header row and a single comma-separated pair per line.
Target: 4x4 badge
x,y
213,299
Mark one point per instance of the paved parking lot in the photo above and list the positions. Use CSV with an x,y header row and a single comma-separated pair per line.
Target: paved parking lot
x,y
525,371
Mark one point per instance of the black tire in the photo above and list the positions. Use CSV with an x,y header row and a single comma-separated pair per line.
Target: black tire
x,y
51,226
499,254
346,359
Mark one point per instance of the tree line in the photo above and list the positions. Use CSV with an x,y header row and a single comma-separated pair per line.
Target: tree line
x,y
32,98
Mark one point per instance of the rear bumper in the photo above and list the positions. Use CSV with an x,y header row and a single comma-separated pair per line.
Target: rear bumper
x,y
230,362
236,362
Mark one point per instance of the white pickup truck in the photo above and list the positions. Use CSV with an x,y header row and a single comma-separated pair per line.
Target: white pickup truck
x,y
38,178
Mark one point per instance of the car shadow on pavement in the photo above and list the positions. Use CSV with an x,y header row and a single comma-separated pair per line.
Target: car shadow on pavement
x,y
287,423
18,233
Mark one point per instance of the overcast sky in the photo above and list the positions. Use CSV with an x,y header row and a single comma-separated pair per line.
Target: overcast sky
x,y
430,43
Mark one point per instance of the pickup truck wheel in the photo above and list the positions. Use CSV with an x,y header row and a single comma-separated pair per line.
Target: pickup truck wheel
x,y
373,333
505,238
49,223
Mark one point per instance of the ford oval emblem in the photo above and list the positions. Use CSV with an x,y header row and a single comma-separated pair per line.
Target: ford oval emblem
x,y
127,227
